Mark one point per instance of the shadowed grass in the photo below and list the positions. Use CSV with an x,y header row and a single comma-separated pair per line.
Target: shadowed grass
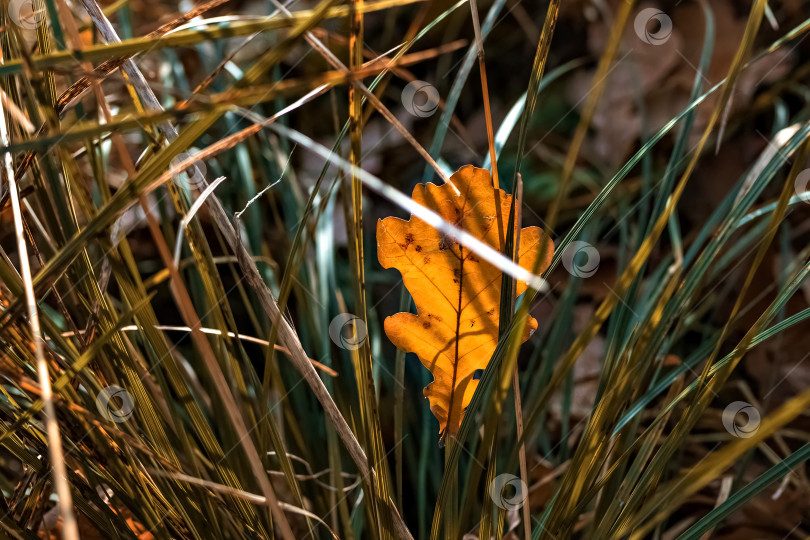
x,y
109,145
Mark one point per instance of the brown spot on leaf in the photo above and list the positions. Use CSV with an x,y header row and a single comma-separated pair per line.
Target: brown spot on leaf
x,y
471,211
445,242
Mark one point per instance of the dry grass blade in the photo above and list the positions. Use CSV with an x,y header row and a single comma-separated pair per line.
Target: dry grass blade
x,y
173,269
54,438
184,300
103,70
287,336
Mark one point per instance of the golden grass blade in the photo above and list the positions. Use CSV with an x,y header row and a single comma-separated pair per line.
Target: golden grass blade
x,y
380,488
675,492
788,411
185,38
595,93
56,453
482,68
287,335
182,297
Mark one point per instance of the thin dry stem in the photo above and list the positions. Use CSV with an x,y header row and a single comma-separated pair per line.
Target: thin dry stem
x,y
479,45
55,452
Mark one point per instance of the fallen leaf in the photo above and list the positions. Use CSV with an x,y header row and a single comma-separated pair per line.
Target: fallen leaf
x,y
457,294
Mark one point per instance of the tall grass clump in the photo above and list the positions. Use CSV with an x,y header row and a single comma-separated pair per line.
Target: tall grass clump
x,y
192,341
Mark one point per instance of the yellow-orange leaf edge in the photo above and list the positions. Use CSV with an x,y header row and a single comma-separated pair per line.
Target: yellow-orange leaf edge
x,y
457,295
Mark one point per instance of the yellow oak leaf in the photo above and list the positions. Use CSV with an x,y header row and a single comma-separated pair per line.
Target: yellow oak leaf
x,y
457,294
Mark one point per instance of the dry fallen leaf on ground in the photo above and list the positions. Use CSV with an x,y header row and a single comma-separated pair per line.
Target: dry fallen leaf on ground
x,y
457,294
